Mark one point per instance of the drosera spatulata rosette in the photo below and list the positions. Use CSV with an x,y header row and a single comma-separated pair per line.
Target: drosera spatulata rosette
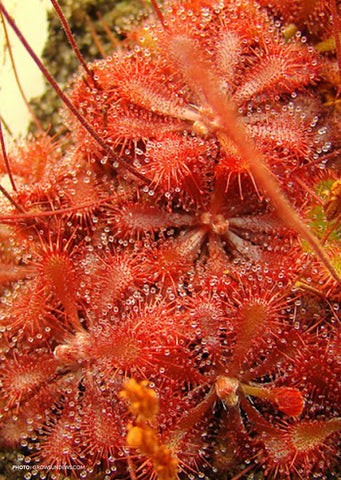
x,y
167,259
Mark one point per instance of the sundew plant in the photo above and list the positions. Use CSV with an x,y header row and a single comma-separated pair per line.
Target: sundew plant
x,y
170,263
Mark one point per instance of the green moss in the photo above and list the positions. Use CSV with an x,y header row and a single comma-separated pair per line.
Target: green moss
x,y
318,222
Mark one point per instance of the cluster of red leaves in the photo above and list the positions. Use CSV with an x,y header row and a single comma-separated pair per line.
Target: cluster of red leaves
x,y
312,16
178,271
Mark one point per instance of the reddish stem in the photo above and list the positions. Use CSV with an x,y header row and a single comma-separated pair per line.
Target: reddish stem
x,y
4,154
107,30
196,68
13,202
160,15
70,37
95,37
61,211
16,76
